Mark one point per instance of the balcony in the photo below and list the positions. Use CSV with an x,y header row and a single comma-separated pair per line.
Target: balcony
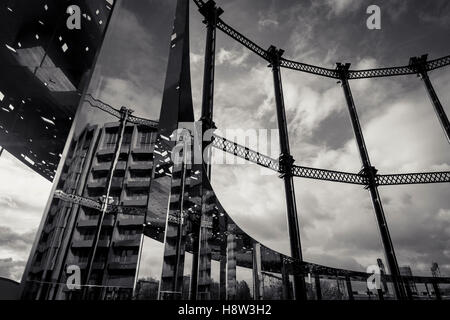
x,y
127,243
121,166
116,183
143,150
170,252
122,265
125,149
95,265
144,166
131,221
135,202
102,166
93,223
88,243
105,151
36,269
138,183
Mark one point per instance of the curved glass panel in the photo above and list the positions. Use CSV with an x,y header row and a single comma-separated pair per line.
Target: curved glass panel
x,y
132,214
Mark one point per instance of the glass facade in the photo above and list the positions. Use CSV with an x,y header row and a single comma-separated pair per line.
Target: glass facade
x,y
137,223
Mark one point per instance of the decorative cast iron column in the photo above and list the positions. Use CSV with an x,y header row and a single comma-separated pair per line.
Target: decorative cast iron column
x,y
285,278
419,64
286,162
257,275
318,289
370,173
231,284
436,289
211,14
348,283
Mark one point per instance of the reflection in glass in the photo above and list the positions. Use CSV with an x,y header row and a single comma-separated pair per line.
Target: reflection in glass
x,y
131,210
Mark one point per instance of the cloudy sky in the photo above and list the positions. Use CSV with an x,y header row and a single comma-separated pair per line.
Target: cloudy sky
x,y
338,226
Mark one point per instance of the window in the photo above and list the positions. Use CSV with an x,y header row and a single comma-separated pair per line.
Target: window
x,y
88,234
128,234
145,139
82,256
140,175
111,139
126,255
137,194
126,141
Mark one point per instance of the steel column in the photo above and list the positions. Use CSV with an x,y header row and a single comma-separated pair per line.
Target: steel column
x,y
211,14
125,113
370,173
231,284
419,64
286,162
383,277
257,275
348,283
437,292
318,289
380,294
285,280
223,272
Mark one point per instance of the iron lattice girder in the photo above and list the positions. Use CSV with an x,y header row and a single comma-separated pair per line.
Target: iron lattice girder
x,y
303,67
245,153
116,113
71,198
89,203
296,171
242,39
379,73
413,178
95,103
398,71
325,72
236,35
438,63
329,175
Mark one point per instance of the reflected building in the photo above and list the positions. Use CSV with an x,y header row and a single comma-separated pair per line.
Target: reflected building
x,y
69,229
409,281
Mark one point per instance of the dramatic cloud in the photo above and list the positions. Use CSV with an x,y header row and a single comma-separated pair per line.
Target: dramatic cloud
x,y
23,196
11,269
268,23
401,130
14,249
